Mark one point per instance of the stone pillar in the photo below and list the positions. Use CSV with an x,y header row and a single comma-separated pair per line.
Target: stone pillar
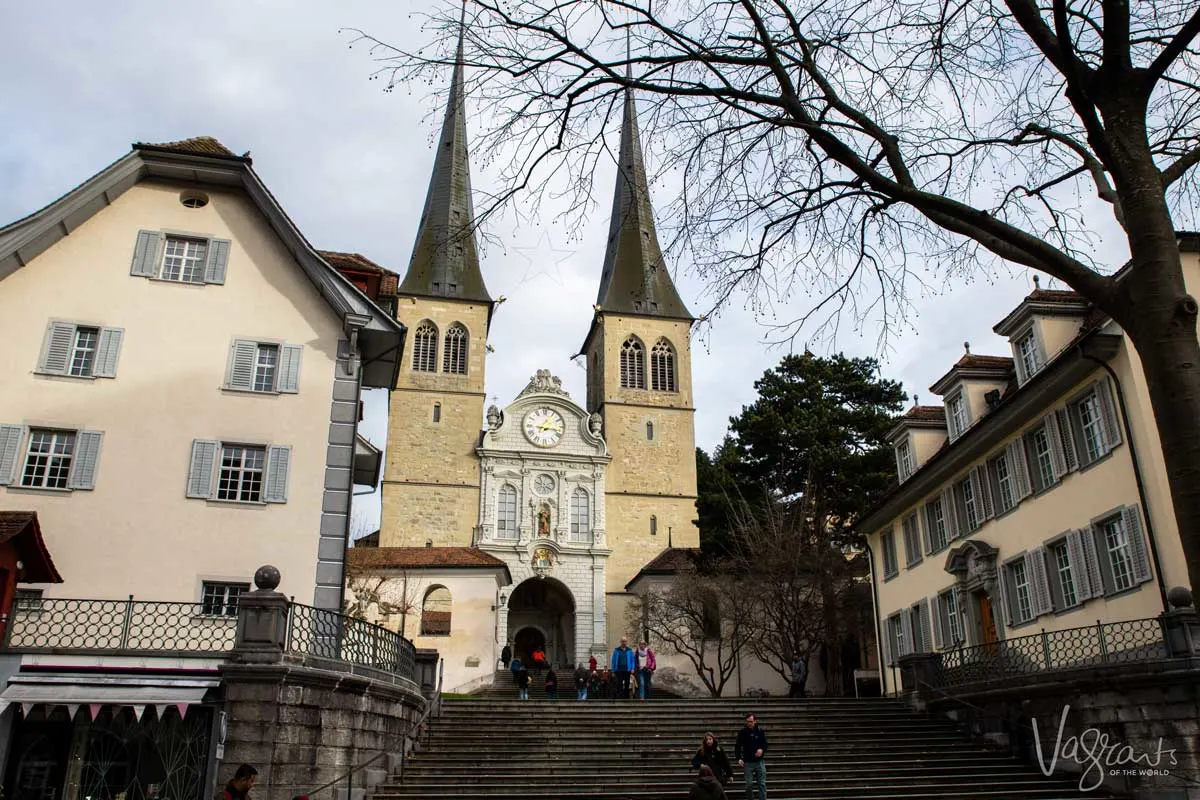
x,y
427,671
262,621
917,669
1181,625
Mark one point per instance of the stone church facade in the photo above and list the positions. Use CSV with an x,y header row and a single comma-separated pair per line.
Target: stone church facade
x,y
526,523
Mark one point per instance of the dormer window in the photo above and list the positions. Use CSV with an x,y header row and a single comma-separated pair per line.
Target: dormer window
x,y
1028,353
904,459
957,414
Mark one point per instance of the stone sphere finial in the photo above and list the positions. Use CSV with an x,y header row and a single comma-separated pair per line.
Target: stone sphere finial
x,y
267,578
1180,597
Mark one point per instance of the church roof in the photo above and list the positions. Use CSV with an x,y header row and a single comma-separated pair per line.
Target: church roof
x,y
445,259
671,561
423,558
635,279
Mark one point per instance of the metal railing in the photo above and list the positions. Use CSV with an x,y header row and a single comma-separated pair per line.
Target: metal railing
x,y
1072,648
136,626
328,634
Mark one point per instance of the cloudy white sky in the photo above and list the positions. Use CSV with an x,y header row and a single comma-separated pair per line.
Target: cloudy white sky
x,y
350,163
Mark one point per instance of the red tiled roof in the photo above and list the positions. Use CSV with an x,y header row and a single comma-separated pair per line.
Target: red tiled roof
x,y
673,559
972,361
1055,296
926,413
421,557
22,529
206,145
389,281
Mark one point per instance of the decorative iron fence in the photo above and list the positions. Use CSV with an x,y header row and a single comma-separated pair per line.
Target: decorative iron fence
x,y
328,634
53,624
1072,648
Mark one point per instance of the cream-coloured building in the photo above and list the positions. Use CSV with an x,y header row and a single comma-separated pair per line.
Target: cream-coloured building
x,y
182,374
1035,498
572,501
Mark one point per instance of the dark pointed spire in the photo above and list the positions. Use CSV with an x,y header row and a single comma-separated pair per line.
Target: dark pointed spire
x,y
445,260
634,279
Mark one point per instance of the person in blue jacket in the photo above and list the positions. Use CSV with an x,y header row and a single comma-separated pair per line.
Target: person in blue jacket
x,y
624,662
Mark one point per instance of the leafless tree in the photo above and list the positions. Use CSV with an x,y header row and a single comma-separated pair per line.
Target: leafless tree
x,y
856,151
706,618
379,596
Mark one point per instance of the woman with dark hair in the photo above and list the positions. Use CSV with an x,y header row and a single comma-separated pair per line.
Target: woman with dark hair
x,y
706,786
712,756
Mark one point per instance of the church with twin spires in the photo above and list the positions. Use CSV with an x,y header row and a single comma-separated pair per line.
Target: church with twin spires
x,y
525,524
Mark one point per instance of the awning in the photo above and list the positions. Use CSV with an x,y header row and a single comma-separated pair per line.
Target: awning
x,y
96,696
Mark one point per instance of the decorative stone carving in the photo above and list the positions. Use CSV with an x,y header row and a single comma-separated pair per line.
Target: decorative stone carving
x,y
544,383
493,419
595,424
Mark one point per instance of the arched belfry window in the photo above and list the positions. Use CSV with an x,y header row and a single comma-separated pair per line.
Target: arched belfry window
x,y
454,354
425,347
662,367
581,522
435,612
506,513
633,364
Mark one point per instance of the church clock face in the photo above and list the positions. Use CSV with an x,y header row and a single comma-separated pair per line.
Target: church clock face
x,y
544,427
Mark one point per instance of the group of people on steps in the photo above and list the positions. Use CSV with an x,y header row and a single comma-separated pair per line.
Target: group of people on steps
x,y
629,674
715,771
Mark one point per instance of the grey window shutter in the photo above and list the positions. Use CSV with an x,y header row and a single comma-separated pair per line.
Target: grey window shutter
x,y
56,349
1112,427
939,634
1039,582
1097,554
10,451
85,460
241,364
218,257
906,630
203,464
1137,544
1080,574
1058,459
289,368
1019,468
1067,439
279,461
889,636
923,612
926,535
1019,363
1005,616
949,517
108,351
983,492
146,254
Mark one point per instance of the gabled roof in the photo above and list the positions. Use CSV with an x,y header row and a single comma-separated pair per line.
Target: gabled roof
x,y
1046,302
990,368
423,558
671,561
22,529
205,161
356,262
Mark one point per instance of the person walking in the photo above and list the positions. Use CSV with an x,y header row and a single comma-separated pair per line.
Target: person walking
x,y
706,786
647,663
712,755
581,682
515,666
240,784
624,662
592,664
539,659
506,654
522,682
551,684
799,676
596,690
750,750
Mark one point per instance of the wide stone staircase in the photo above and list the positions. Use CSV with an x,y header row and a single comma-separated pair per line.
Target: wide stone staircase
x,y
505,749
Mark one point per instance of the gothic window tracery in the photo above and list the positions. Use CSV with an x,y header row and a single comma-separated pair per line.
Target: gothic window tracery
x,y
454,358
425,347
662,367
633,364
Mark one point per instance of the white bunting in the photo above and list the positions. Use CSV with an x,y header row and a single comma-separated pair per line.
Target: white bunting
x,y
138,711
161,708
26,708
72,708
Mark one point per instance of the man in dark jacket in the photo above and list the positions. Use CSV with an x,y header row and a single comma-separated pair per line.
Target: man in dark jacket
x,y
581,682
506,655
240,784
750,750
706,786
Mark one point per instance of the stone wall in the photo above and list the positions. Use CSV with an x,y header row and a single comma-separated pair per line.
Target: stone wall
x,y
303,723
1136,706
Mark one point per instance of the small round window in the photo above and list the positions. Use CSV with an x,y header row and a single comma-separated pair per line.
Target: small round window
x,y
194,199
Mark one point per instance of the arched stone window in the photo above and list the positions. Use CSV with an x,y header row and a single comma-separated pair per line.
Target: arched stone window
x,y
662,367
633,364
425,347
435,612
649,431
454,354
506,513
581,526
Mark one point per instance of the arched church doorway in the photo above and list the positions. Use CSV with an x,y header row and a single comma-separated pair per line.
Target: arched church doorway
x,y
542,612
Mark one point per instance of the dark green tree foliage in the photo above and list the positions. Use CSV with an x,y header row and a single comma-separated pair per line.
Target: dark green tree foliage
x,y
817,432
716,497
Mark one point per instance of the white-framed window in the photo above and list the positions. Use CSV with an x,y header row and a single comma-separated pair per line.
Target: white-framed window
x,y
263,367
904,458
633,364
912,540
957,417
581,518
221,599
454,351
180,258
1021,599
890,565
184,259
1093,423
238,472
662,367
56,459
935,524
48,459
949,619
1028,351
1063,575
897,637
1117,550
506,513
965,492
425,347
1002,480
80,351
1042,462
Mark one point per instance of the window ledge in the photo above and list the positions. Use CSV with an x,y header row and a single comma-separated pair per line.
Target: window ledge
x,y
1082,468
237,503
45,374
168,281
916,563
235,390
887,577
16,487
1024,623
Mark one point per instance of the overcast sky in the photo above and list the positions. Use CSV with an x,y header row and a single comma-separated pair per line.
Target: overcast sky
x,y
350,164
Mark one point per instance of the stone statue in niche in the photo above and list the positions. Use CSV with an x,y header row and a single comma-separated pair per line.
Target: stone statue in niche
x,y
595,424
493,418
543,520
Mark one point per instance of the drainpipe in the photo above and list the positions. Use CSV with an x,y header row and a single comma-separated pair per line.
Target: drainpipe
x,y
878,619
1137,475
